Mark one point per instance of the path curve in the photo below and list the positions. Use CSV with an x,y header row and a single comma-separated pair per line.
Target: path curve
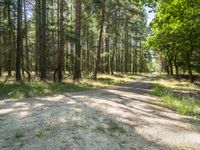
x,y
124,117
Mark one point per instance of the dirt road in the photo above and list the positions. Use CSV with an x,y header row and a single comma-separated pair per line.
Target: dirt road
x,y
118,118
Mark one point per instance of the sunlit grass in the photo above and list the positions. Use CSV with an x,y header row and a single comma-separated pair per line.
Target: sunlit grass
x,y
171,82
181,103
37,88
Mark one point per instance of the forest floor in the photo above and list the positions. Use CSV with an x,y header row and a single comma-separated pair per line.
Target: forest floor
x,y
123,117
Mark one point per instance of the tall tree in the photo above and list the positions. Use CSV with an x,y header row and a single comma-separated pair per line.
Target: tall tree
x,y
26,37
61,35
9,39
103,15
77,67
42,52
62,42
19,40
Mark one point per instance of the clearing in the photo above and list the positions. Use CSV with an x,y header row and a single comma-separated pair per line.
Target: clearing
x,y
124,117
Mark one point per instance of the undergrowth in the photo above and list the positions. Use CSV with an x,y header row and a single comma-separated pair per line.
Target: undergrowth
x,y
39,88
180,103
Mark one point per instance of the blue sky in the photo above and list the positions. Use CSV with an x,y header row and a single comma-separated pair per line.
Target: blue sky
x,y
150,15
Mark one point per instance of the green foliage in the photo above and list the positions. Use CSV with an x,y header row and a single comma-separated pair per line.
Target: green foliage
x,y
176,30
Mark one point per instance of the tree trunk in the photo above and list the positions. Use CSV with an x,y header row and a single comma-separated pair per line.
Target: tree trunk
x,y
42,52
88,53
135,68
10,42
126,46
170,58
188,62
113,55
38,30
171,67
19,40
103,13
189,71
61,49
26,39
176,67
77,67
107,41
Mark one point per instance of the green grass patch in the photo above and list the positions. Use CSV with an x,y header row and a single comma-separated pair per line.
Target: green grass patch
x,y
19,134
40,134
182,104
39,88
112,129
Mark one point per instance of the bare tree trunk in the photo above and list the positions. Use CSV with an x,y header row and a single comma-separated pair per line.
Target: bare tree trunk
x,y
107,49
71,47
113,55
26,38
88,53
188,62
61,46
42,53
38,30
126,46
171,67
135,67
170,58
19,40
10,42
176,67
103,15
77,67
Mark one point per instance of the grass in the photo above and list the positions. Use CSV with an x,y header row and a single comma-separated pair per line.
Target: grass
x,y
19,134
181,103
40,134
38,88
112,129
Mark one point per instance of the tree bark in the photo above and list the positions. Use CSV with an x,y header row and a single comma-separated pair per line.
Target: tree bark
x,y
77,67
107,41
19,40
26,38
88,53
10,42
42,53
103,15
61,48
170,58
126,46
176,67
37,23
188,62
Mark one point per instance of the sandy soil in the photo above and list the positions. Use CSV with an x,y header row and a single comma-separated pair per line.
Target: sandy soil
x,y
118,118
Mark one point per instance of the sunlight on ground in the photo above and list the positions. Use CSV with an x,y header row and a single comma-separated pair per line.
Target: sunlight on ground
x,y
181,96
11,89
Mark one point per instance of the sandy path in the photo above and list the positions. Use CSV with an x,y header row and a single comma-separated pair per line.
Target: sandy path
x,y
118,118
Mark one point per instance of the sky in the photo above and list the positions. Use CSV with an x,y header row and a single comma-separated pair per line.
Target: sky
x,y
150,15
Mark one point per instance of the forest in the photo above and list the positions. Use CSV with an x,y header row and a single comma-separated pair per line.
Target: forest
x,y
76,37
97,36
99,74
